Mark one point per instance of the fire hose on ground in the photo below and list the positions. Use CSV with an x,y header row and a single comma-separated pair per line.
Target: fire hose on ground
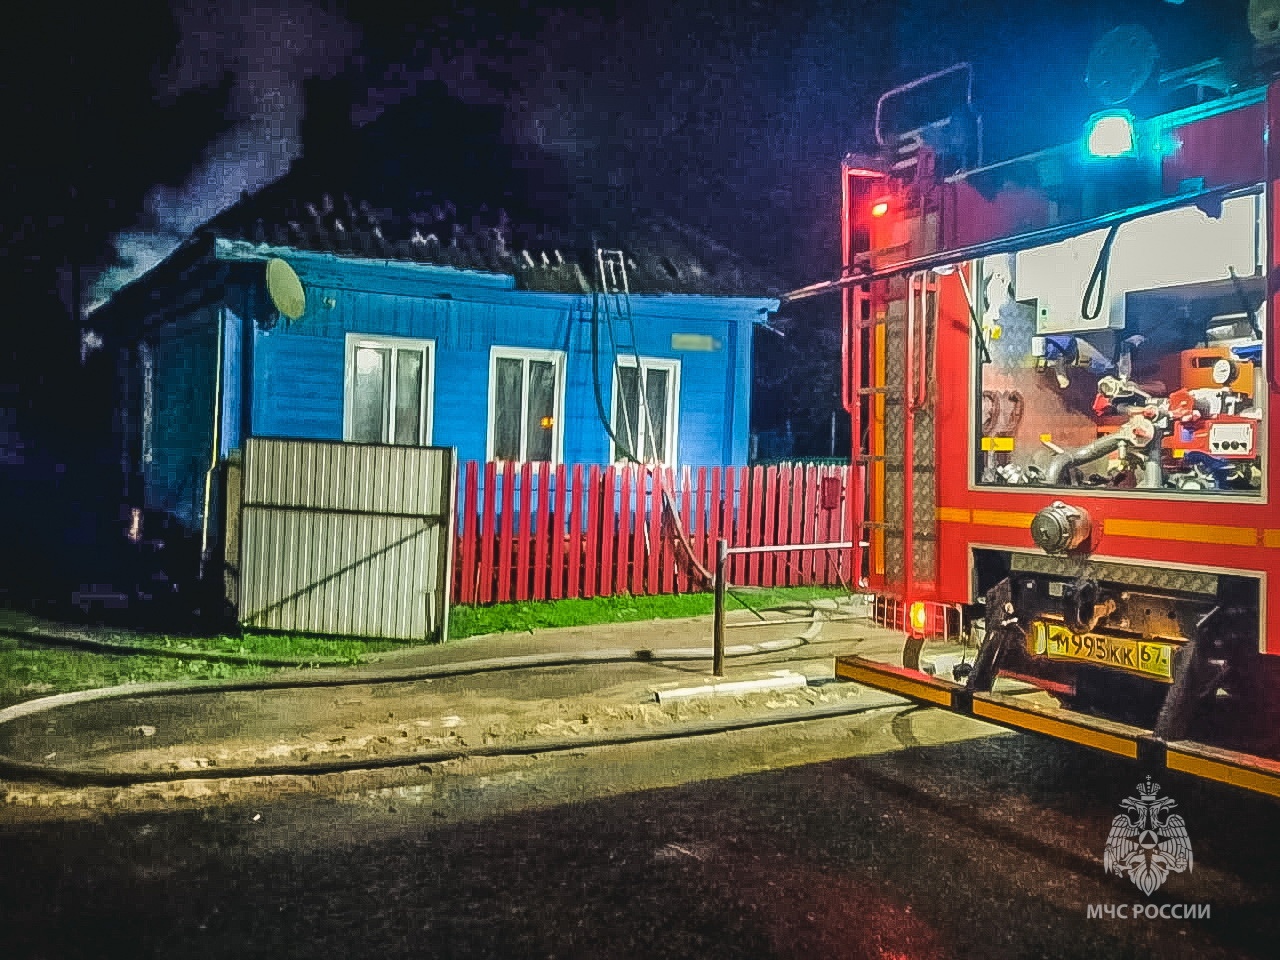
x,y
80,777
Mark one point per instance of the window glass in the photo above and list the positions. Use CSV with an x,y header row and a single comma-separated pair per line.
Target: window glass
x,y
509,406
371,398
147,360
627,428
655,423
525,389
409,393
540,426
1127,359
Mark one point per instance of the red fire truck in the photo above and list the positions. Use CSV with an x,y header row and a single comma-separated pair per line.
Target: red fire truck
x,y
1061,371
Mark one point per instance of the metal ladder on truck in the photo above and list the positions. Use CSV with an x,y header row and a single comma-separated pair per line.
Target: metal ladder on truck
x,y
888,390
890,365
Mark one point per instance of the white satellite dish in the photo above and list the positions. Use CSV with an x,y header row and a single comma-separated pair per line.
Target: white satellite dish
x,y
285,289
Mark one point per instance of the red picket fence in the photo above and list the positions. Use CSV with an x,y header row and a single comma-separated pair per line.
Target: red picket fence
x,y
534,532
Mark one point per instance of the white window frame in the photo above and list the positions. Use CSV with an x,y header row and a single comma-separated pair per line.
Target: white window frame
x,y
556,357
668,457
378,341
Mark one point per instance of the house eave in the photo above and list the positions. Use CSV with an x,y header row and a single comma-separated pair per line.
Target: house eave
x,y
244,251
186,279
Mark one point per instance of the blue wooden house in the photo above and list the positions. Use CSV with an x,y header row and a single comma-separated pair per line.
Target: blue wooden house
x,y
468,343
489,321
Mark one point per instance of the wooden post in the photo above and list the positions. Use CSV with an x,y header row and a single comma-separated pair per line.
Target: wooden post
x,y
722,556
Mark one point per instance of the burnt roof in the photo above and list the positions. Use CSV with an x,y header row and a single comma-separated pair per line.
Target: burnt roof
x,y
662,254
432,180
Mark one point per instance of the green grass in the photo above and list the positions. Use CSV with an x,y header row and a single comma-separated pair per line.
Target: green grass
x,y
268,646
28,670
469,621
303,649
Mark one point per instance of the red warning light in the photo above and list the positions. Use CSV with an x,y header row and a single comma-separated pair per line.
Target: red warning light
x,y
880,208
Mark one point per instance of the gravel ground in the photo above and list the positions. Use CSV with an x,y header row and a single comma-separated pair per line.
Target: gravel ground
x,y
206,732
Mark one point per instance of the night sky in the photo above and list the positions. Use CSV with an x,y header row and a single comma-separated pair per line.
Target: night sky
x,y
129,124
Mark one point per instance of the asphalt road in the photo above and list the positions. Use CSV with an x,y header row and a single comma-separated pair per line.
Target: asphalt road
x,y
773,844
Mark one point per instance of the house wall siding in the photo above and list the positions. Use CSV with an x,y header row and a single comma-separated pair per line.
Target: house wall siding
x,y
297,386
298,368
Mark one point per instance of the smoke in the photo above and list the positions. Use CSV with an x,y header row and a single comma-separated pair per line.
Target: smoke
x,y
267,51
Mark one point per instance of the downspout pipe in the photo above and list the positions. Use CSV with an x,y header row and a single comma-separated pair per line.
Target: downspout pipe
x,y
214,443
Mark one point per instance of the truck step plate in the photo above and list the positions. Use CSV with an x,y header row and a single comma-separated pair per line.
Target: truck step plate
x,y
906,683
1225,766
1057,722
1243,770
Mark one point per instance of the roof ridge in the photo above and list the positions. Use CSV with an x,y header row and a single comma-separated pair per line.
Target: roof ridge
x,y
664,254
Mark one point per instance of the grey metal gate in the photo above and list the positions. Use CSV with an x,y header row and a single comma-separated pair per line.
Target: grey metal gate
x,y
346,539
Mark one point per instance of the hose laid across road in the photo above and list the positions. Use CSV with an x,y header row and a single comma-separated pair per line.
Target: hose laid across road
x,y
93,645
460,669
67,776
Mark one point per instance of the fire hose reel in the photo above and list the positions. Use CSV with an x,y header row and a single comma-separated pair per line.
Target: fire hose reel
x,y
1059,528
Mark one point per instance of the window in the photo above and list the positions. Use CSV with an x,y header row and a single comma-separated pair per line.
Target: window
x,y
389,385
648,429
1129,362
526,402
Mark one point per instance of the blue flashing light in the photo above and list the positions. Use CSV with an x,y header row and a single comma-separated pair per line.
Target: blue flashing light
x,y
1110,134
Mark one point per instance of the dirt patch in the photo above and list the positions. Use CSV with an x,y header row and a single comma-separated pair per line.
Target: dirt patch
x,y
403,720
238,731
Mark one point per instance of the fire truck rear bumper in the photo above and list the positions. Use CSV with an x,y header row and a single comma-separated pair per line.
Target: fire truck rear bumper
x,y
1136,743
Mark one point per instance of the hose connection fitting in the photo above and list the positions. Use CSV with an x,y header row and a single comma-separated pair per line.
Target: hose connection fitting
x,y
1060,528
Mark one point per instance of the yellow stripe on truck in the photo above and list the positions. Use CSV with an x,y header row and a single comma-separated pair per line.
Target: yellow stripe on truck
x,y
1002,518
1039,722
1190,532
1257,777
893,680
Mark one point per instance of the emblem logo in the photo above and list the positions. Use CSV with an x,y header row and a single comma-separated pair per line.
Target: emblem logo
x,y
1147,842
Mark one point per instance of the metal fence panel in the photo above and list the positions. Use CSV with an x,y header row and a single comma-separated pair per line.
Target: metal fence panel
x,y
347,539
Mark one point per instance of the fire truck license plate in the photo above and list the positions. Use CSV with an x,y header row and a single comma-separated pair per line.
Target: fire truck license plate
x,y
1151,658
